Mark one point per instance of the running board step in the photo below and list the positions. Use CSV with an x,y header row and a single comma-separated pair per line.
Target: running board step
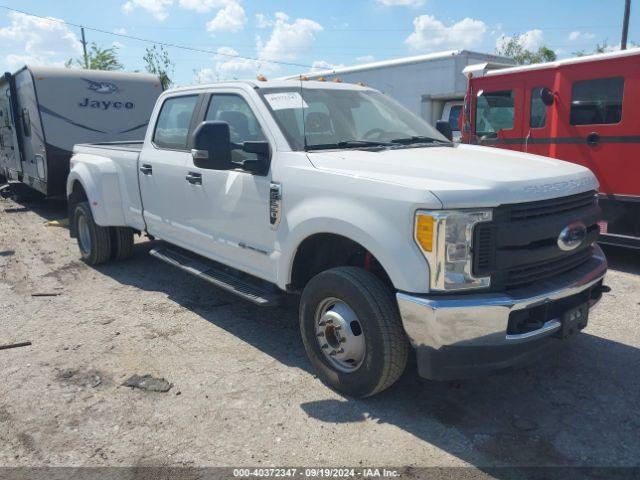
x,y
207,270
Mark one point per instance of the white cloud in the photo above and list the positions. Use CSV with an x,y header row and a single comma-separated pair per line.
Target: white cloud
x,y
402,3
227,66
262,21
202,6
531,40
573,36
37,41
157,8
120,31
319,65
365,59
288,40
430,33
231,18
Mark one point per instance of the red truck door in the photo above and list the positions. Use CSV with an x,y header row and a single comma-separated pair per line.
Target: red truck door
x,y
539,112
598,122
497,108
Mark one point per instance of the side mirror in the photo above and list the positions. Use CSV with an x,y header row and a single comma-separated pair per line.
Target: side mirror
x,y
261,165
212,146
547,96
444,127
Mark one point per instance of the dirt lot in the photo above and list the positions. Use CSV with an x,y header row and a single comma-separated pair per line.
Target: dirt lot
x,y
243,392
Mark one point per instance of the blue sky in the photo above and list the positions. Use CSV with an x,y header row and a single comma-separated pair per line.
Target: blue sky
x,y
309,33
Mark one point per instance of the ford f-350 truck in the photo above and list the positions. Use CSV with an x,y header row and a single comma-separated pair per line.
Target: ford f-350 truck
x,y
393,236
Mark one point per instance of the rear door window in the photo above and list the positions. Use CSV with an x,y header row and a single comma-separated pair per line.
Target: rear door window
x,y
494,112
597,101
172,127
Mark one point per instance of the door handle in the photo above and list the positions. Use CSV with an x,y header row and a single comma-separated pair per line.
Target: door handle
x,y
146,169
593,139
194,178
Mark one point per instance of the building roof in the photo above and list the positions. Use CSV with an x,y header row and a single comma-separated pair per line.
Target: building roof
x,y
477,70
397,62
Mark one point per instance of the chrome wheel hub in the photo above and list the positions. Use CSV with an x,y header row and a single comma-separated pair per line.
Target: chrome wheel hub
x,y
339,334
84,235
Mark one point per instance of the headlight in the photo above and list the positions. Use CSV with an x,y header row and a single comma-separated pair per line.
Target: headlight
x,y
446,239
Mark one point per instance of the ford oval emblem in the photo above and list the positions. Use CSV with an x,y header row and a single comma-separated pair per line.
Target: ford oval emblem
x,y
572,236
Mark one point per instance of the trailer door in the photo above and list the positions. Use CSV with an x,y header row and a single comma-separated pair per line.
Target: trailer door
x,y
9,152
599,124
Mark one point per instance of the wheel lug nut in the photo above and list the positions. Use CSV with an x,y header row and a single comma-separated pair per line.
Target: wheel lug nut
x,y
325,346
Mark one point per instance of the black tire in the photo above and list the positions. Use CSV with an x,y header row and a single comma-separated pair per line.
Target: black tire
x,y
386,344
95,244
121,243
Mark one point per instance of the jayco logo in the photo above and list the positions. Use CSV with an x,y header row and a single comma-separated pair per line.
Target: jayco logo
x,y
106,104
104,88
101,87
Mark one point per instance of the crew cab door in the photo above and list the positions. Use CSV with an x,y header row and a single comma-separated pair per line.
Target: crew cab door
x,y
163,162
228,215
599,123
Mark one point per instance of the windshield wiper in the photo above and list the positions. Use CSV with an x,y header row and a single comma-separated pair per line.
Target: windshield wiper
x,y
417,139
349,144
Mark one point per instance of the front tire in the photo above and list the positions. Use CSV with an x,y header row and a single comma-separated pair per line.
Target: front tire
x,y
352,331
121,243
94,241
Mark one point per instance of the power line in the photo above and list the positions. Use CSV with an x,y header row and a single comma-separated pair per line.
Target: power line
x,y
154,42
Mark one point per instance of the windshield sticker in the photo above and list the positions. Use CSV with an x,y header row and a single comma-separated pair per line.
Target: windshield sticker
x,y
285,100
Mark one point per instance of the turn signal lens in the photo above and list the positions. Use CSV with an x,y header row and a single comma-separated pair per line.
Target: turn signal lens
x,y
424,232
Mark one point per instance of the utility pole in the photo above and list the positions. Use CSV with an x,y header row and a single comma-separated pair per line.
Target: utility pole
x,y
84,49
625,24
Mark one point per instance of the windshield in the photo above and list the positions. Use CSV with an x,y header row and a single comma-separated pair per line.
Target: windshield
x,y
344,118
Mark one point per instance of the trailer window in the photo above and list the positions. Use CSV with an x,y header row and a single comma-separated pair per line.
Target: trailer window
x,y
597,101
494,112
538,115
26,122
173,122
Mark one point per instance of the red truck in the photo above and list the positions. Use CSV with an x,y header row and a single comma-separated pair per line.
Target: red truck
x,y
584,110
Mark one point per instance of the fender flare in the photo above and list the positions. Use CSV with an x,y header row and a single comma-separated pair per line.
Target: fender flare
x,y
104,196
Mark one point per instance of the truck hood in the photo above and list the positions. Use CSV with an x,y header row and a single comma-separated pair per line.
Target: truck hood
x,y
463,175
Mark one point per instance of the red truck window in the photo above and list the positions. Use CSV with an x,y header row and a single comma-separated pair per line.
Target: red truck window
x,y
538,115
597,101
494,112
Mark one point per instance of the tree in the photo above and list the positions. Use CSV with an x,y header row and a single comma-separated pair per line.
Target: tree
x,y
512,48
98,58
158,63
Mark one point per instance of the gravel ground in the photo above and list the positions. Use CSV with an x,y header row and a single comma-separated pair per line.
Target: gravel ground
x,y
243,392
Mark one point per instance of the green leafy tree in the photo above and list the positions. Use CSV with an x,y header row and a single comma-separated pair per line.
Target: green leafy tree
x,y
98,59
158,63
512,48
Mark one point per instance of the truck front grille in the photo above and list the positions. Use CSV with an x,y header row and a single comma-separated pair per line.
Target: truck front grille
x,y
519,246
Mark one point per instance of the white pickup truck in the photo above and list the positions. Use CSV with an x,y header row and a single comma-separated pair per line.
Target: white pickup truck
x,y
393,236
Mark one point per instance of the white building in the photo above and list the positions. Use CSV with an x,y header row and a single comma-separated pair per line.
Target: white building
x,y
432,85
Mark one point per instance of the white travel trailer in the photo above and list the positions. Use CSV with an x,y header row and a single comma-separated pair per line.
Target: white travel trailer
x,y
45,111
432,85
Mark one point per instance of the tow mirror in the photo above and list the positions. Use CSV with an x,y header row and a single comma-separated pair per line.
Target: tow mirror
x,y
547,96
444,127
260,166
212,146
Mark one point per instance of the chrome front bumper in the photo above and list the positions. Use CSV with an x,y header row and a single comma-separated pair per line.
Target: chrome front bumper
x,y
436,323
